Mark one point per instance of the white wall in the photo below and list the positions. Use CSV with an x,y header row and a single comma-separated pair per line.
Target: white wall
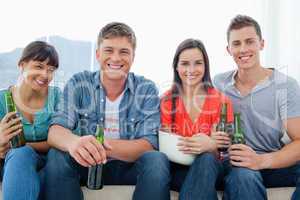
x,y
160,26
281,19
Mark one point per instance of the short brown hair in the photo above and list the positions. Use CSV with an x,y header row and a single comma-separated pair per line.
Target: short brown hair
x,y
117,29
241,21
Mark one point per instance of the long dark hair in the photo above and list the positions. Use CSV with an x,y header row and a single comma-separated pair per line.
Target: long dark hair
x,y
177,83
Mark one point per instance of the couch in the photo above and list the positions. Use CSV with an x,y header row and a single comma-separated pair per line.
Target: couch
x,y
121,192
125,193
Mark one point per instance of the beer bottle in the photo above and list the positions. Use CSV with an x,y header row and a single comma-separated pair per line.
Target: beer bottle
x,y
222,126
95,178
238,135
18,140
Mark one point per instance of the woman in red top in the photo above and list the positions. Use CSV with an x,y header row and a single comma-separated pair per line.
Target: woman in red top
x,y
191,108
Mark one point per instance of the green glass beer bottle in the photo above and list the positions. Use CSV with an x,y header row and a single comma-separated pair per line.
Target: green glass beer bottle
x,y
95,178
18,140
223,118
222,123
223,126
238,134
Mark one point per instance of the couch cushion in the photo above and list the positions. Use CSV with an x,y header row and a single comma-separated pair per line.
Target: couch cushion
x,y
120,192
125,193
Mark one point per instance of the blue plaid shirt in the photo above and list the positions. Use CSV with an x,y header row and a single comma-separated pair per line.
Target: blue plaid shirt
x,y
83,107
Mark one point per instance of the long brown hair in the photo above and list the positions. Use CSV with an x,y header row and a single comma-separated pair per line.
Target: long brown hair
x,y
177,83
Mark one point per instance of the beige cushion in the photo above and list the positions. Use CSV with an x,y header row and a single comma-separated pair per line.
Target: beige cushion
x,y
119,192
125,193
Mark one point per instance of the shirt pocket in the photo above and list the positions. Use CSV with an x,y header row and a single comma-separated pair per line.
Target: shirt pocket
x,y
87,123
131,127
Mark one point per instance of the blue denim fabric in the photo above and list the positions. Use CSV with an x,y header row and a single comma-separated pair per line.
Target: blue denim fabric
x,y
83,107
243,183
200,180
22,174
150,174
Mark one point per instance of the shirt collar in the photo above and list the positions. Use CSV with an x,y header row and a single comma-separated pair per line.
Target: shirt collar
x,y
129,82
97,83
232,80
259,86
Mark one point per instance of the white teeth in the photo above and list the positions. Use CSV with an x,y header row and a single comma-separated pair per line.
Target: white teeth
x,y
114,66
191,77
244,57
40,82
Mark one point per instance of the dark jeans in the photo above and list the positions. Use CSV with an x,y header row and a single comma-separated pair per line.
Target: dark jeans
x,y
150,174
200,180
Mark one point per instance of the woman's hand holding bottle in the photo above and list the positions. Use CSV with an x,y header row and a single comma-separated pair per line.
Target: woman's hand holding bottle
x,y
10,126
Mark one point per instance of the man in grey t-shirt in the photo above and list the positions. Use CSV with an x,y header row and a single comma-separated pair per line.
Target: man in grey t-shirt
x,y
269,103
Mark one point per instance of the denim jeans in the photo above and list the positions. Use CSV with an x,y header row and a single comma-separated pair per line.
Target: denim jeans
x,y
150,174
200,180
243,183
197,181
22,174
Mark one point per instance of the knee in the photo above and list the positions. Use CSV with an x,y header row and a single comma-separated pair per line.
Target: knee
x,y
243,175
298,174
205,165
156,158
20,169
205,159
58,163
55,155
21,156
156,163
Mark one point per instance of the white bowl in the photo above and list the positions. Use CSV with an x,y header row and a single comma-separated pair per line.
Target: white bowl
x,y
168,145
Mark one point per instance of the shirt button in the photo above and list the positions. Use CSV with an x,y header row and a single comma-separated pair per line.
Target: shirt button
x,y
132,119
101,119
102,100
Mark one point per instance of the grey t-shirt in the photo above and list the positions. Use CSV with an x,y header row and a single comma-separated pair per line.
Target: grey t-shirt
x,y
264,108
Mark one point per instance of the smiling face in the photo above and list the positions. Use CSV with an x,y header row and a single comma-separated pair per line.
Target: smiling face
x,y
37,74
191,67
244,46
115,56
